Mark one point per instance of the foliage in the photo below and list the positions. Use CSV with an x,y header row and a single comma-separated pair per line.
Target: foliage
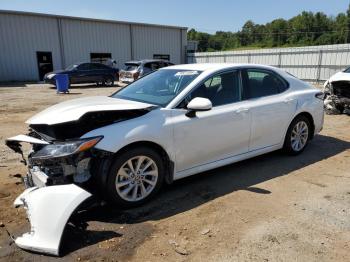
x,y
307,28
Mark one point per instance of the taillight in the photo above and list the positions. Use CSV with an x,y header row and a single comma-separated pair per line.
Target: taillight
x,y
320,95
136,75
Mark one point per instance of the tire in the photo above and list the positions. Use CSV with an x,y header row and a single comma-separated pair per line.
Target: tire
x,y
294,144
109,81
146,185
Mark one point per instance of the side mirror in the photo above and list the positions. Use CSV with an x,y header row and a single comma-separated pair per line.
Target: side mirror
x,y
198,104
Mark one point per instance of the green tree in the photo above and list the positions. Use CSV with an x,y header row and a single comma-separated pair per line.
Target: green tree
x,y
307,28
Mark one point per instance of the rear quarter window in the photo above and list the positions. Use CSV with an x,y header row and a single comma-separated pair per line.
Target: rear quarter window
x,y
130,67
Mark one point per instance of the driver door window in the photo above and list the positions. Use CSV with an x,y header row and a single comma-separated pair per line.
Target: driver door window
x,y
221,89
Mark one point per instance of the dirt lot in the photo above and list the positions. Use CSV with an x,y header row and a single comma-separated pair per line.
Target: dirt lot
x,y
270,208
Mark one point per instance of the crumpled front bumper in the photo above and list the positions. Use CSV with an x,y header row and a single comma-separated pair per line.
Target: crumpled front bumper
x,y
48,210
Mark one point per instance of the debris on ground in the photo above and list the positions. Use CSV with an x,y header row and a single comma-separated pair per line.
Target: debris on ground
x,y
205,231
182,251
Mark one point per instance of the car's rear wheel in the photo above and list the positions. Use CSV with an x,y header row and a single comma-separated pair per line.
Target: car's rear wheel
x,y
109,81
298,135
135,176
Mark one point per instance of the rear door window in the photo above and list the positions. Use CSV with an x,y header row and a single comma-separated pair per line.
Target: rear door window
x,y
147,68
260,83
131,67
95,66
85,66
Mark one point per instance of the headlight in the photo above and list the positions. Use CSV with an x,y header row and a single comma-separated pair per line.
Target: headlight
x,y
66,148
49,76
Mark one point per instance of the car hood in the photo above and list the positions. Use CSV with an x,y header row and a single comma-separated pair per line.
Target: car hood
x,y
73,110
340,76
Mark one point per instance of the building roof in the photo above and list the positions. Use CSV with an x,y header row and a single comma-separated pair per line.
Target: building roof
x,y
88,19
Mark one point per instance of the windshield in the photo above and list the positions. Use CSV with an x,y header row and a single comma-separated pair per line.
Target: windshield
x,y
71,67
347,70
159,87
130,67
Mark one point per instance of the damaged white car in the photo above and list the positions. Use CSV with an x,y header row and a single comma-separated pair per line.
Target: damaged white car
x,y
337,93
175,122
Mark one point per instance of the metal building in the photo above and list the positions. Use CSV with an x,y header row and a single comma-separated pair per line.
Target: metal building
x,y
32,44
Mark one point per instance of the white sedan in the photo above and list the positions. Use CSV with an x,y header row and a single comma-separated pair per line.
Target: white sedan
x,y
173,123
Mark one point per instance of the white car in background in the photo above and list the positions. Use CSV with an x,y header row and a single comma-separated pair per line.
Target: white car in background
x,y
178,121
337,93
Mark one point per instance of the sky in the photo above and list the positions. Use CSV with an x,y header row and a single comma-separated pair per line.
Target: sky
x,y
203,15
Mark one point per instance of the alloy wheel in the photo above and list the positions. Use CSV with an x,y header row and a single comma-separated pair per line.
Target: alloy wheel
x,y
299,136
136,178
109,82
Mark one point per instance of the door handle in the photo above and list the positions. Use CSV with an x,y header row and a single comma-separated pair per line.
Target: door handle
x,y
242,110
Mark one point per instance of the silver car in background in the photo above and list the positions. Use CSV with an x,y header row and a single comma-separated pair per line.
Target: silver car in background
x,y
135,69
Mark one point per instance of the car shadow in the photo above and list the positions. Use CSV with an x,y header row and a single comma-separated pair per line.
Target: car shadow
x,y
191,192
76,237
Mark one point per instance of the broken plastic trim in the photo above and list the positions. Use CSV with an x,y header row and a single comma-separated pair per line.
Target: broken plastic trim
x,y
48,210
15,144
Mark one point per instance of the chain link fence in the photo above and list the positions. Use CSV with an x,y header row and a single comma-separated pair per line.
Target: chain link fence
x,y
310,63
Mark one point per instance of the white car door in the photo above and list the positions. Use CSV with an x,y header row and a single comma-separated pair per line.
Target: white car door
x,y
271,108
216,134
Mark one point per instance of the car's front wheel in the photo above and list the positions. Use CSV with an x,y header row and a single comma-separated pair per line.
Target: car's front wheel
x,y
135,176
298,135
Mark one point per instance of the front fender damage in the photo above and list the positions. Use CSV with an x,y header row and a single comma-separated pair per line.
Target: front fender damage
x,y
48,210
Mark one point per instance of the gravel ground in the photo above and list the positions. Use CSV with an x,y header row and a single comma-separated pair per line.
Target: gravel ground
x,y
270,208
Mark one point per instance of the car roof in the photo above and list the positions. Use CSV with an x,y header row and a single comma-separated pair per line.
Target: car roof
x,y
145,61
216,66
80,63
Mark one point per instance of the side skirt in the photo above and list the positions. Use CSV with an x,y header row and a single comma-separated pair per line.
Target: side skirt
x,y
225,161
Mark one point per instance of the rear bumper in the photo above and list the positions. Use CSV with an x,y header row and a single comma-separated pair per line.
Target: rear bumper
x,y
126,80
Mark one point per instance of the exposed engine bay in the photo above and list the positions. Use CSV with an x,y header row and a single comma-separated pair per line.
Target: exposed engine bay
x,y
337,97
86,123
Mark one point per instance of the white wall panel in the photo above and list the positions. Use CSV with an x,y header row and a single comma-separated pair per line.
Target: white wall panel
x,y
311,63
148,41
20,38
80,38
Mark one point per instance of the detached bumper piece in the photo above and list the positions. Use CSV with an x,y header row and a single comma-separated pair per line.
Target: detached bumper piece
x,y
48,210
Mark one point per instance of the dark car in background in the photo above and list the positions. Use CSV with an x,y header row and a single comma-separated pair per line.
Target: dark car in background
x,y
83,73
136,69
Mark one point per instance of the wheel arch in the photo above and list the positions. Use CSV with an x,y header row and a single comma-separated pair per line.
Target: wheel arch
x,y
311,120
169,164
